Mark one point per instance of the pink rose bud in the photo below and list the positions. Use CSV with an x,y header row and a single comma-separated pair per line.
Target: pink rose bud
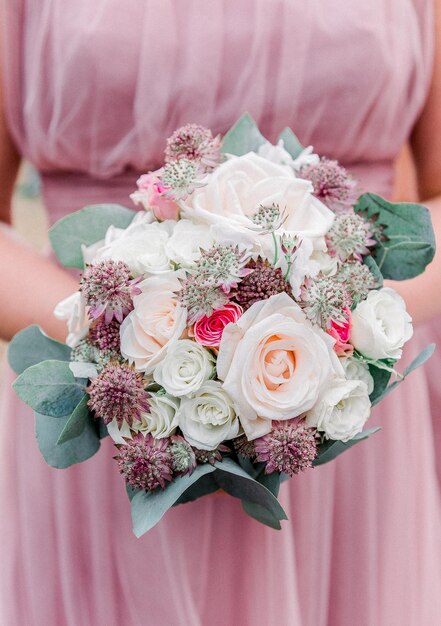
x,y
208,330
341,334
152,194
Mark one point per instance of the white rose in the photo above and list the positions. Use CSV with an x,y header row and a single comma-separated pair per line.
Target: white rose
x,y
185,368
141,246
184,245
328,264
381,325
275,363
356,370
342,410
236,188
73,310
208,418
160,422
156,321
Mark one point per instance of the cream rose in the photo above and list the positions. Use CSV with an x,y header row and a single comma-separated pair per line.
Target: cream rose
x,y
236,188
141,246
161,420
275,363
184,245
342,410
381,325
185,368
208,418
156,321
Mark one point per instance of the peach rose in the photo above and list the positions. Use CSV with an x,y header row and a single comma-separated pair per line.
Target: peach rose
x,y
157,320
275,364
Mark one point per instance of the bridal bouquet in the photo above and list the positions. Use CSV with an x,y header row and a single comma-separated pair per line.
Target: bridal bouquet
x,y
233,331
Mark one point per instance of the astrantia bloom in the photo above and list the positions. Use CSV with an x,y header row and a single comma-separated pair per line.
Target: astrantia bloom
x,y
349,236
262,282
184,458
105,336
358,280
195,143
145,462
200,298
289,448
332,184
269,218
118,393
181,177
208,330
223,266
324,300
245,447
108,289
210,456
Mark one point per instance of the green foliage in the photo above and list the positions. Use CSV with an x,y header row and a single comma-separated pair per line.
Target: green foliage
x,y
31,346
374,269
86,226
409,243
76,423
48,431
50,388
291,143
243,137
329,450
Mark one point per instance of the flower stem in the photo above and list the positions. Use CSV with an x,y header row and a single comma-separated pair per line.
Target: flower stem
x,y
276,250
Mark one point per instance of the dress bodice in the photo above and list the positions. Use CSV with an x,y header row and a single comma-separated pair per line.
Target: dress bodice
x,y
94,88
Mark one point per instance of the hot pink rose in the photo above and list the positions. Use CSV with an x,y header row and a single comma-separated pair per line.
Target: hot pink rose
x,y
341,334
208,330
152,195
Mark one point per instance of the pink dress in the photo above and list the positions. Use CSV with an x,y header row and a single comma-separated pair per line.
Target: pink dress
x,y
92,91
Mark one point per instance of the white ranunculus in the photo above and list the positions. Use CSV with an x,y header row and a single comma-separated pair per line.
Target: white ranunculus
x,y
238,187
356,370
302,264
73,310
185,368
83,369
306,157
141,246
381,325
156,321
208,418
275,153
275,363
342,410
184,245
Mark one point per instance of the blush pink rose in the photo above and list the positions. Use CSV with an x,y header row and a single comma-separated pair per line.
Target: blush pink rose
x,y
341,334
152,194
208,331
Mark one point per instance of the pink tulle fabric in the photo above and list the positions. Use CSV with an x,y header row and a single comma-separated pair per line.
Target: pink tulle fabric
x,y
92,90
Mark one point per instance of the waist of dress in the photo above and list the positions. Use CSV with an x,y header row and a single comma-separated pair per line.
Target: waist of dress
x,y
65,192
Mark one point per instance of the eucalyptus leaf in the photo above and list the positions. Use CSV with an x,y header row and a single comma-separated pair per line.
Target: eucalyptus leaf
x,y
86,226
31,346
149,507
423,356
291,143
50,388
329,450
202,487
48,431
243,137
261,514
409,243
235,481
76,423
381,380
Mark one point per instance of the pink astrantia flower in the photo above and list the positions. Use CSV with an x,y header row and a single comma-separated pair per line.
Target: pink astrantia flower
x,y
153,194
341,334
208,330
